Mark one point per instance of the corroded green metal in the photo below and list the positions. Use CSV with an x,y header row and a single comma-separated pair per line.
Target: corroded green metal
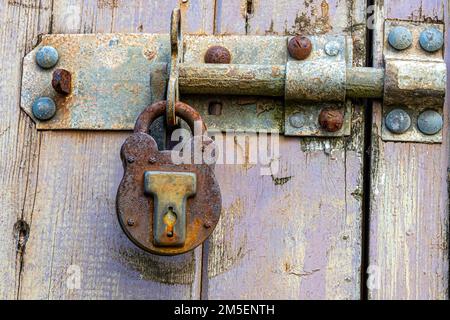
x,y
114,78
415,81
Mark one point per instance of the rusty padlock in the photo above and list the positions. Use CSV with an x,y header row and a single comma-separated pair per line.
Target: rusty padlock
x,y
166,208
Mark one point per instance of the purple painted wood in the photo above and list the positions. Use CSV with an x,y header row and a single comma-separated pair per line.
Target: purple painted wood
x,y
408,251
72,213
295,234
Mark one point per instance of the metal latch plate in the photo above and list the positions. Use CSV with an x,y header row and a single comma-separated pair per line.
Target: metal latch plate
x,y
115,76
414,70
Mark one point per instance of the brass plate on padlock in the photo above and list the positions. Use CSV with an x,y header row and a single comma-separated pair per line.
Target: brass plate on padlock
x,y
135,206
170,191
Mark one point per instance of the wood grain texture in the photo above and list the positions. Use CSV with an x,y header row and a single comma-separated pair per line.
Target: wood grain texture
x,y
408,249
22,22
295,234
73,221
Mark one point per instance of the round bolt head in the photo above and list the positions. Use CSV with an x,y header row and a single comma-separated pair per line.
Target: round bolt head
x,y
431,39
47,57
300,47
297,120
430,122
331,120
398,121
218,54
400,38
332,48
43,108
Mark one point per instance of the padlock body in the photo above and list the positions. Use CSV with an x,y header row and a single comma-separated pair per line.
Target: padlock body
x,y
146,171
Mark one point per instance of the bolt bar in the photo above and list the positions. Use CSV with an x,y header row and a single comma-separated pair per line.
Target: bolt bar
x,y
263,80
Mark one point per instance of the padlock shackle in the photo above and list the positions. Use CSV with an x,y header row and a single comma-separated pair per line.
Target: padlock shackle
x,y
158,109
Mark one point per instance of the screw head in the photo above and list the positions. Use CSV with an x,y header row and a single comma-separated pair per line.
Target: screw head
x,y
398,121
131,222
44,108
332,48
217,54
62,81
47,57
400,38
331,120
300,47
297,120
430,122
431,39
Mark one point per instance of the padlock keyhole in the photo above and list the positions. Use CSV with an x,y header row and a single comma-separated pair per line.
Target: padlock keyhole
x,y
169,219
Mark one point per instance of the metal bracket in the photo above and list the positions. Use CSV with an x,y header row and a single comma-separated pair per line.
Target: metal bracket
x,y
415,84
255,85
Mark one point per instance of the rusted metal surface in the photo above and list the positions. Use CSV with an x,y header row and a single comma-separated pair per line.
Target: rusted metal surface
x,y
415,80
415,84
202,210
176,54
233,79
303,119
320,78
300,47
217,54
331,120
261,67
62,81
114,76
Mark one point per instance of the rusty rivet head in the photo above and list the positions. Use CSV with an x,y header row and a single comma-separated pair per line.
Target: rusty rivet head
x,y
218,54
131,222
300,47
62,81
331,120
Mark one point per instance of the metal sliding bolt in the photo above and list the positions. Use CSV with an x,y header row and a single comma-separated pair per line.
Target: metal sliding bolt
x,y
218,54
47,57
300,47
431,39
215,108
400,38
398,121
44,108
430,122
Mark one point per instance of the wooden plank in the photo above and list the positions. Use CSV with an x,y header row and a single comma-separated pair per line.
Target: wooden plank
x,y
73,222
22,22
295,234
408,249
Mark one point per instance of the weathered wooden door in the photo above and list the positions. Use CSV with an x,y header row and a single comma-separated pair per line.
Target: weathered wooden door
x,y
309,232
